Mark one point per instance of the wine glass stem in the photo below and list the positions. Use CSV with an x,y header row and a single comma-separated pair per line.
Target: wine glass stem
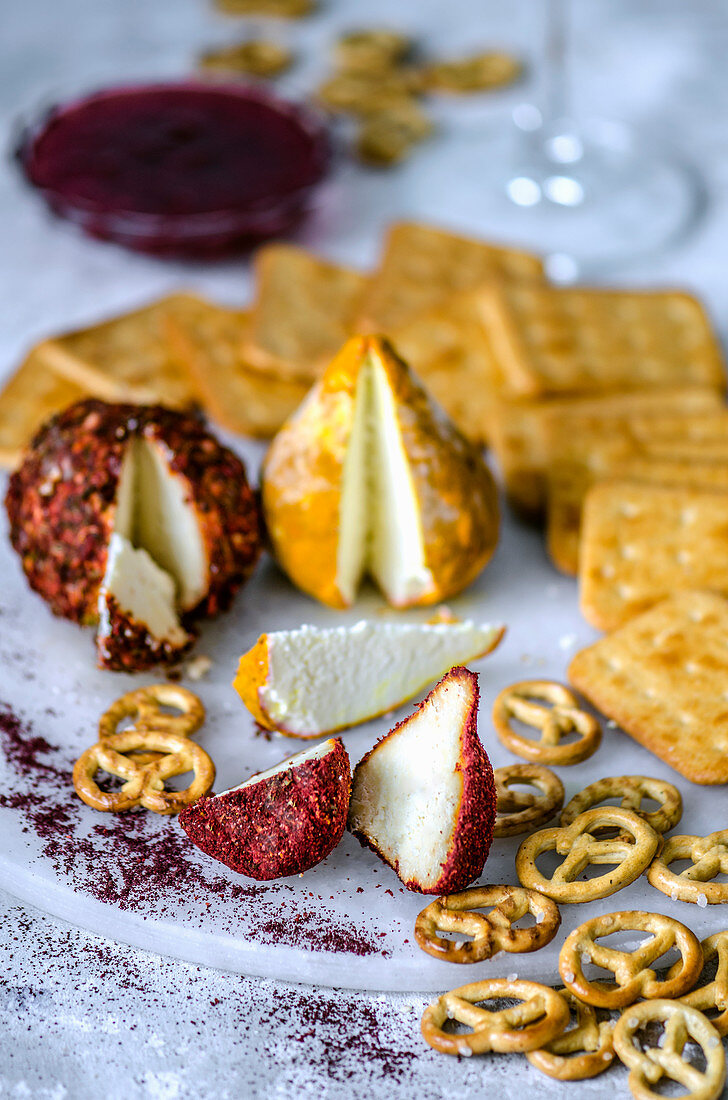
x,y
556,98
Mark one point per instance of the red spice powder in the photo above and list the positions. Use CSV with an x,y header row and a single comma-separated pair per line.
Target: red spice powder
x,y
345,1027
143,863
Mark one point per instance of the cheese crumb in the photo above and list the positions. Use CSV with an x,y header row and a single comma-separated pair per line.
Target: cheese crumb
x,y
197,667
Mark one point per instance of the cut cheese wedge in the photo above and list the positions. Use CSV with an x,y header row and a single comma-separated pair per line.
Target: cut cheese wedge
x,y
156,564
138,623
369,477
166,522
424,797
279,822
310,682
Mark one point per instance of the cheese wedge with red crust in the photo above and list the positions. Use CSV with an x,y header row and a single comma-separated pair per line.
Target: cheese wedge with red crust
x,y
279,822
312,681
370,478
138,621
424,797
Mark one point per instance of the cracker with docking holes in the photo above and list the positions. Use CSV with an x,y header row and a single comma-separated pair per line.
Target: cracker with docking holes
x,y
128,358
555,341
244,400
422,265
527,434
569,484
683,428
641,543
448,348
571,428
27,399
662,679
303,312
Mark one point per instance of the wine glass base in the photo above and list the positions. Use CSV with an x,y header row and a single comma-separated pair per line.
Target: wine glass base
x,y
590,200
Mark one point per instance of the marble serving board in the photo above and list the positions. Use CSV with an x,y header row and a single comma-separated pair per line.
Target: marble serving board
x,y
348,922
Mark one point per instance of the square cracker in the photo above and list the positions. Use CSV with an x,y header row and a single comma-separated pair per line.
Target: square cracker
x,y
663,679
525,433
569,484
550,340
27,399
303,312
641,543
209,341
128,358
448,348
421,265
582,450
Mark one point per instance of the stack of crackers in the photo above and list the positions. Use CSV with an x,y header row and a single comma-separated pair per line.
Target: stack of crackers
x,y
563,384
249,369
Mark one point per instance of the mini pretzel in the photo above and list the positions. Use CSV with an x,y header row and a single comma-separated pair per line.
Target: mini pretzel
x,y
589,1046
565,716
155,748
713,995
631,969
709,855
649,1064
143,706
631,851
632,789
518,811
491,933
540,1017
144,784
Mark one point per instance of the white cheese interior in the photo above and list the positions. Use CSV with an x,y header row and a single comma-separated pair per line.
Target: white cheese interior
x,y
165,523
353,542
143,591
157,562
396,557
124,518
380,532
325,679
406,798
290,762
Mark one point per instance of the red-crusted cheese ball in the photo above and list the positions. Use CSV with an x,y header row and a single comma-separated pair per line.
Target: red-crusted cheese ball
x,y
74,490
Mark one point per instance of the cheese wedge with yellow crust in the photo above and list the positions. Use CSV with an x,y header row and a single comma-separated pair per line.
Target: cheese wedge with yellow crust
x,y
370,478
311,681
